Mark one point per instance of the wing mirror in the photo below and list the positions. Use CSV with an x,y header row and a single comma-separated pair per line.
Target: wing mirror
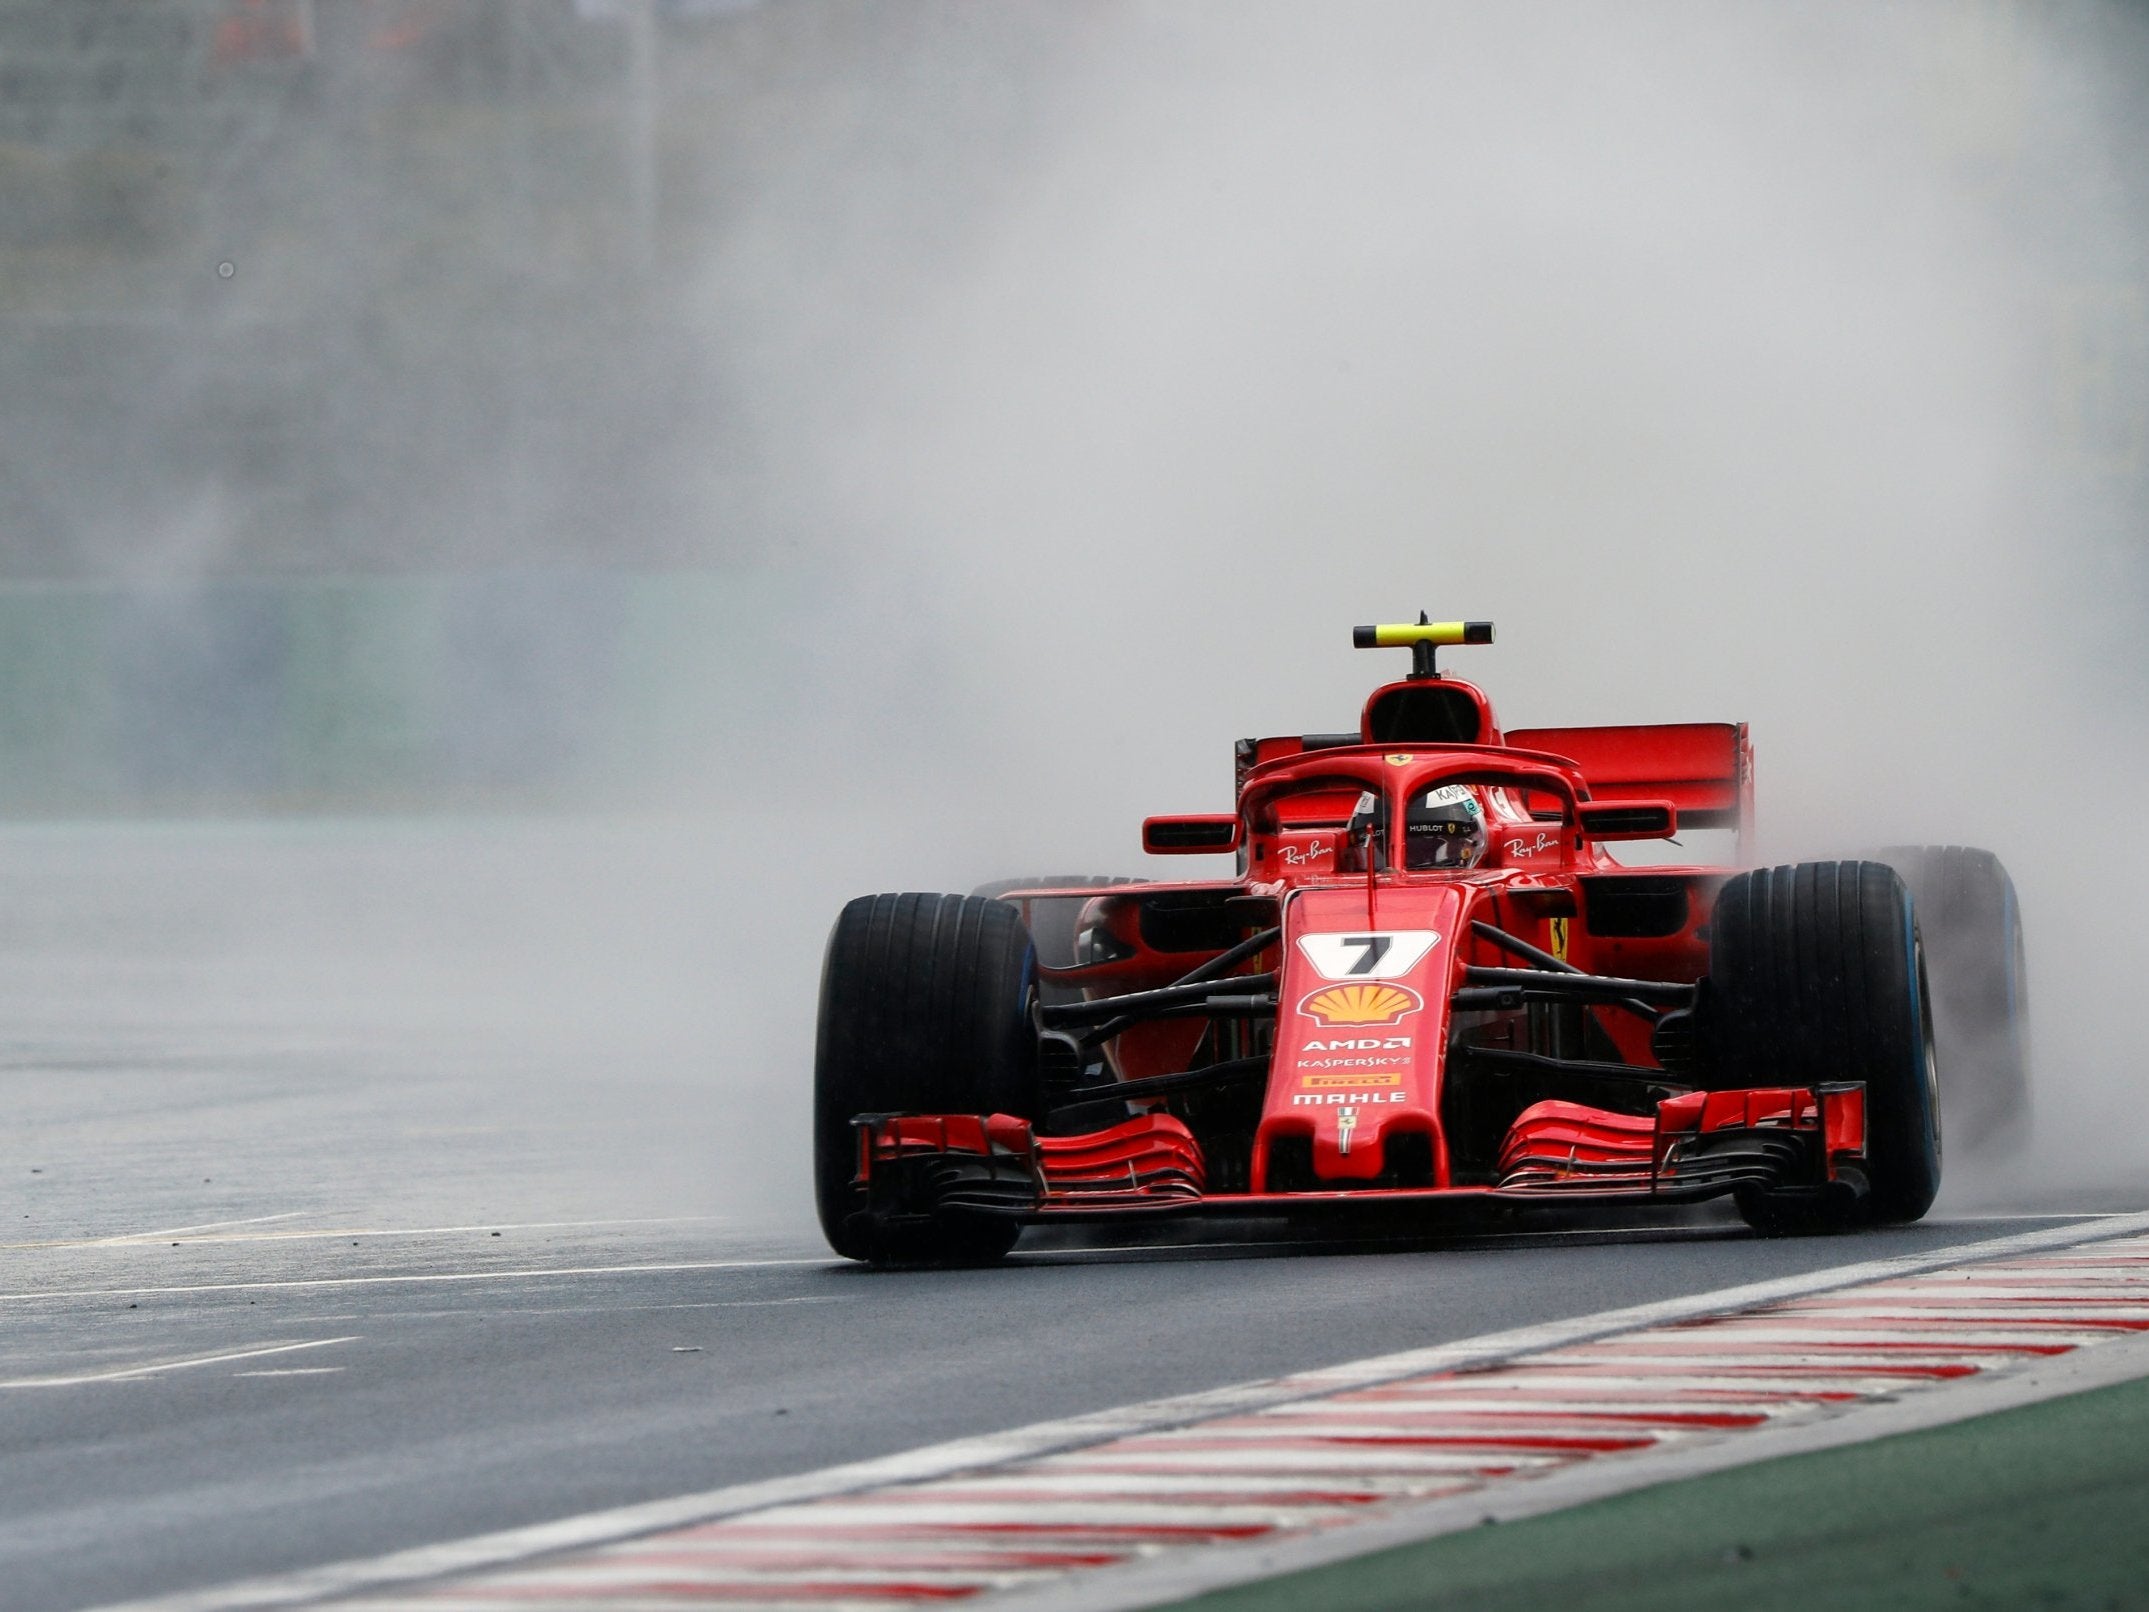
x,y
1191,834
1629,820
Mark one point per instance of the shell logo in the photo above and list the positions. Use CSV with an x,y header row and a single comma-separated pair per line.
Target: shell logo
x,y
1361,1004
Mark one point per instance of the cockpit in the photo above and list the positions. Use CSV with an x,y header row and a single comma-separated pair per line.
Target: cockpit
x,y
1330,824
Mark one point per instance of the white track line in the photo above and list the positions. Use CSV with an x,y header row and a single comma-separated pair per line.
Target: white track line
x,y
293,1371
193,1234
1144,1434
422,1277
168,1231
129,1373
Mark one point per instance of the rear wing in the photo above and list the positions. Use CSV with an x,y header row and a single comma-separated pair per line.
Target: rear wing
x,y
1705,769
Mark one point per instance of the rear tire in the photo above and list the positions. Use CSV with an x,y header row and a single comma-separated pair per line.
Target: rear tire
x,y
1972,926
925,1009
1053,923
1816,974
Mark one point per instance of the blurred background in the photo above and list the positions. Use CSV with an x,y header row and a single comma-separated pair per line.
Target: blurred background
x,y
512,510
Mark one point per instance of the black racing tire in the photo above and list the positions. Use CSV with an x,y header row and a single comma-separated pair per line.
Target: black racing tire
x,y
925,1009
1972,925
1816,974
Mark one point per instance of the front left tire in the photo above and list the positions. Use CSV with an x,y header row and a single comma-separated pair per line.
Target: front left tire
x,y
1817,973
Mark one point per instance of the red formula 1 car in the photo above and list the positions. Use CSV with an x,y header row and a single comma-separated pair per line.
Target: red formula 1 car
x,y
1430,982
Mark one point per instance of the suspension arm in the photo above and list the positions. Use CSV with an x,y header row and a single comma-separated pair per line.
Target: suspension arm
x,y
1536,957
1147,1004
1547,985
1216,1074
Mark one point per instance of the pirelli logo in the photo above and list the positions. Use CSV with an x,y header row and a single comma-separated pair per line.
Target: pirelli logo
x,y
1350,1082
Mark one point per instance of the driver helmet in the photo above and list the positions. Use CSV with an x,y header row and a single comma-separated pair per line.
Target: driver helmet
x,y
1444,828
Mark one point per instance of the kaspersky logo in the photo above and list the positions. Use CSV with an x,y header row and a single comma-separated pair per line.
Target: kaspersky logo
x,y
1380,1003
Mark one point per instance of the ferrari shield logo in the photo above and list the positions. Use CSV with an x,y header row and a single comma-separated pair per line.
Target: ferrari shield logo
x,y
1346,1122
1559,938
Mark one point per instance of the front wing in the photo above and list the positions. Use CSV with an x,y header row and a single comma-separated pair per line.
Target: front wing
x,y
1779,1139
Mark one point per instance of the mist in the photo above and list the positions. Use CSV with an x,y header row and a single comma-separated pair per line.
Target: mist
x,y
1050,388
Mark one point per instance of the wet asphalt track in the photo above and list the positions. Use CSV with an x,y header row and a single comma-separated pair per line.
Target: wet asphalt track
x,y
457,1382
285,1196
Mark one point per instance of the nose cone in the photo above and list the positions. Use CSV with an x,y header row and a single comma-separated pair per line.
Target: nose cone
x,y
1360,1035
